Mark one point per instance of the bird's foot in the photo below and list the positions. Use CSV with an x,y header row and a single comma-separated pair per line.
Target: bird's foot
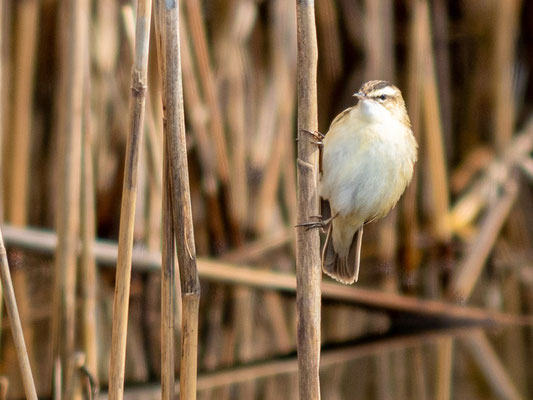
x,y
321,223
315,134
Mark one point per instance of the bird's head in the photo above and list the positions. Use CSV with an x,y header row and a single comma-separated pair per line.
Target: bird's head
x,y
381,99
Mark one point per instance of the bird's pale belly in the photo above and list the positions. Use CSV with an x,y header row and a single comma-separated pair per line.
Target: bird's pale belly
x,y
363,180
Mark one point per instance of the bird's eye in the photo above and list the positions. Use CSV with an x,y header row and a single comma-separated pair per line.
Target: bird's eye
x,y
382,97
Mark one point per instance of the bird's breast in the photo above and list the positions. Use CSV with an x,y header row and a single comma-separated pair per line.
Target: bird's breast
x,y
366,167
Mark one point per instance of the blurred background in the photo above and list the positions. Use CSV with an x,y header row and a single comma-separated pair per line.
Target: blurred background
x,y
459,241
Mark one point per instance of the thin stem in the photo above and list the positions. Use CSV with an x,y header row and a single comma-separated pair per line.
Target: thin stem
x,y
167,290
75,19
16,327
174,129
308,270
129,194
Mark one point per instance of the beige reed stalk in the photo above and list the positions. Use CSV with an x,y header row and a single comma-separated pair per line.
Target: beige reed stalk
x,y
2,136
168,292
129,193
308,270
16,327
74,21
88,273
168,261
170,62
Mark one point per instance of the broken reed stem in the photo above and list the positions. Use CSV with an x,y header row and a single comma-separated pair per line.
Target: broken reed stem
x,y
308,269
129,193
168,292
174,129
16,327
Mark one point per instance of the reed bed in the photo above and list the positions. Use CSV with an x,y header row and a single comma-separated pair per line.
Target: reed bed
x,y
215,183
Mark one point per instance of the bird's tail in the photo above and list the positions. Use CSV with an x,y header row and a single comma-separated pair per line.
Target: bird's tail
x,y
342,269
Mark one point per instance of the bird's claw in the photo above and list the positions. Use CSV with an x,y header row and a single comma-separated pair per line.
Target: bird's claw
x,y
312,225
317,135
323,223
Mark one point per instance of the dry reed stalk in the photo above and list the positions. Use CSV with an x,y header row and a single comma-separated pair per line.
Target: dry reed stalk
x,y
155,153
2,136
26,36
106,255
88,272
434,138
379,28
308,269
442,63
129,192
330,40
412,256
168,289
467,273
506,13
19,153
168,19
487,360
75,16
16,327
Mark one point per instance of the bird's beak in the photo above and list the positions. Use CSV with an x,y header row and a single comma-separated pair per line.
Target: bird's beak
x,y
359,95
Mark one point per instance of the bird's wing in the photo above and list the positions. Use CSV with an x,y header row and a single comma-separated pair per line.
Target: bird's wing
x,y
340,116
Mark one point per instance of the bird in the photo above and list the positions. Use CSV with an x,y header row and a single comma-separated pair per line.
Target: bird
x,y
368,158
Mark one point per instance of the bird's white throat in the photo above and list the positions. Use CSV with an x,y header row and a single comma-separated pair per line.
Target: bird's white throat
x,y
373,112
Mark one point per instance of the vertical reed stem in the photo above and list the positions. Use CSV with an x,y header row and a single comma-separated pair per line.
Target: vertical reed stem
x,y
129,193
308,270
2,135
26,34
180,192
75,18
167,289
16,327
87,261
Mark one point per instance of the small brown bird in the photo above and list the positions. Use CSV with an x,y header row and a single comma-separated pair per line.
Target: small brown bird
x,y
367,162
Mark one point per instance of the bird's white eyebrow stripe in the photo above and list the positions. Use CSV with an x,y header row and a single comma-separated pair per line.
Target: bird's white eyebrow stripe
x,y
387,91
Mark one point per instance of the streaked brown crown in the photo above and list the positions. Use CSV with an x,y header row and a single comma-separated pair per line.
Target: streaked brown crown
x,y
387,95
